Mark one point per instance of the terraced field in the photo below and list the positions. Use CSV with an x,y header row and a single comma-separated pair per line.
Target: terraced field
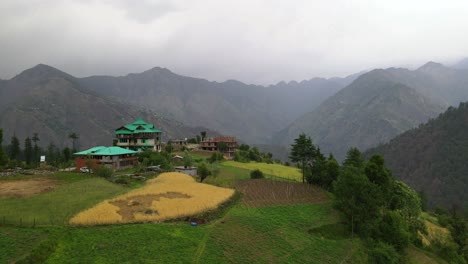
x,y
170,195
277,170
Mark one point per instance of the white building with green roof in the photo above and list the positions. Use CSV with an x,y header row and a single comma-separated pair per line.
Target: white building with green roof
x,y
138,136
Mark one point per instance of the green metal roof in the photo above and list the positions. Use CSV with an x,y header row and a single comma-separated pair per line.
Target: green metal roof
x,y
139,126
105,151
140,121
123,132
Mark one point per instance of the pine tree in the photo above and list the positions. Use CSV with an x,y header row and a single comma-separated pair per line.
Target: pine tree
x,y
14,148
302,152
36,149
354,158
28,150
3,156
73,136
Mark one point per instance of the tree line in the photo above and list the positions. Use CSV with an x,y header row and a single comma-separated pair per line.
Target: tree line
x,y
27,155
383,211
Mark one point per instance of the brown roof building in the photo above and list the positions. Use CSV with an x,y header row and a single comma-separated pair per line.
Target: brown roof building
x,y
225,145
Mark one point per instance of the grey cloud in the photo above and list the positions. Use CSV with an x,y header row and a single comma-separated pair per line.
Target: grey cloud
x,y
145,11
254,41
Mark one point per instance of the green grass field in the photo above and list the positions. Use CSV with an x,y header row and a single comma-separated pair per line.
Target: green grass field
x,y
280,234
74,193
300,233
277,170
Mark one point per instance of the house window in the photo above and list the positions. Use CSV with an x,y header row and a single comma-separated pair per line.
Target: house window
x,y
123,140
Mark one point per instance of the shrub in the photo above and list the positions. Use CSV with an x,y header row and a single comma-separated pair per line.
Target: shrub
x,y
203,171
217,156
103,171
394,231
383,253
122,180
256,174
41,253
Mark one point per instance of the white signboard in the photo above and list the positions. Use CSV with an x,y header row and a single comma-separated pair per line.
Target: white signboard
x,y
42,158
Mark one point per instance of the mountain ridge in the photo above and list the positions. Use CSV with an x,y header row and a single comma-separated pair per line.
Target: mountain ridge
x,y
432,157
53,104
371,110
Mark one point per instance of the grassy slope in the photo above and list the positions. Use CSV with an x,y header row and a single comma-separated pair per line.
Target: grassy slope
x,y
262,235
278,234
282,234
228,176
75,193
278,170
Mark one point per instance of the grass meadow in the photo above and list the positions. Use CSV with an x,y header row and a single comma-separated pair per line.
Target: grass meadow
x,y
277,170
73,193
280,234
266,232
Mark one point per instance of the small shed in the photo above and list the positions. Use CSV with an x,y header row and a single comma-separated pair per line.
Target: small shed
x,y
177,159
192,171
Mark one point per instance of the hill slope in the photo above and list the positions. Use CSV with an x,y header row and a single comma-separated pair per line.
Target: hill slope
x,y
433,158
369,111
53,104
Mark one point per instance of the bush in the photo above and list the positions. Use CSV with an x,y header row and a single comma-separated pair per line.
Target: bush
x,y
103,171
203,171
122,181
217,156
256,174
394,231
41,253
383,253
447,251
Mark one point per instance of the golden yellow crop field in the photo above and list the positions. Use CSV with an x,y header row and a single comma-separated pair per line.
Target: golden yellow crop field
x,y
170,195
277,170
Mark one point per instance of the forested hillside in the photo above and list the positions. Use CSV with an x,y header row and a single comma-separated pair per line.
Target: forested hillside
x,y
371,110
433,158
379,105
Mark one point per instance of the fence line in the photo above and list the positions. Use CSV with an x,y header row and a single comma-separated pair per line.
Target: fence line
x,y
26,222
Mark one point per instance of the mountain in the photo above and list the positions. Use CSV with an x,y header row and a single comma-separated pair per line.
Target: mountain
x,y
250,112
378,106
371,110
463,64
53,104
433,157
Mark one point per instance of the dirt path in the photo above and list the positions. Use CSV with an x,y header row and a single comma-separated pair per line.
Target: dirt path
x,y
26,188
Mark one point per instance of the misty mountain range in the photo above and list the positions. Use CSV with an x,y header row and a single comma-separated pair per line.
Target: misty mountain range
x,y
361,110
53,103
378,106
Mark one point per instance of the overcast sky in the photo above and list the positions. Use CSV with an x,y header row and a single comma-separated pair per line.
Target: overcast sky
x,y
254,41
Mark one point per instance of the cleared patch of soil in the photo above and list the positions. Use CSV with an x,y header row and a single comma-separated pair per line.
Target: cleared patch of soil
x,y
267,192
26,188
142,204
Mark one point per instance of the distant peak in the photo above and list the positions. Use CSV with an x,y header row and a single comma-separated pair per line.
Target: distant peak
x,y
158,70
430,66
40,72
463,64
